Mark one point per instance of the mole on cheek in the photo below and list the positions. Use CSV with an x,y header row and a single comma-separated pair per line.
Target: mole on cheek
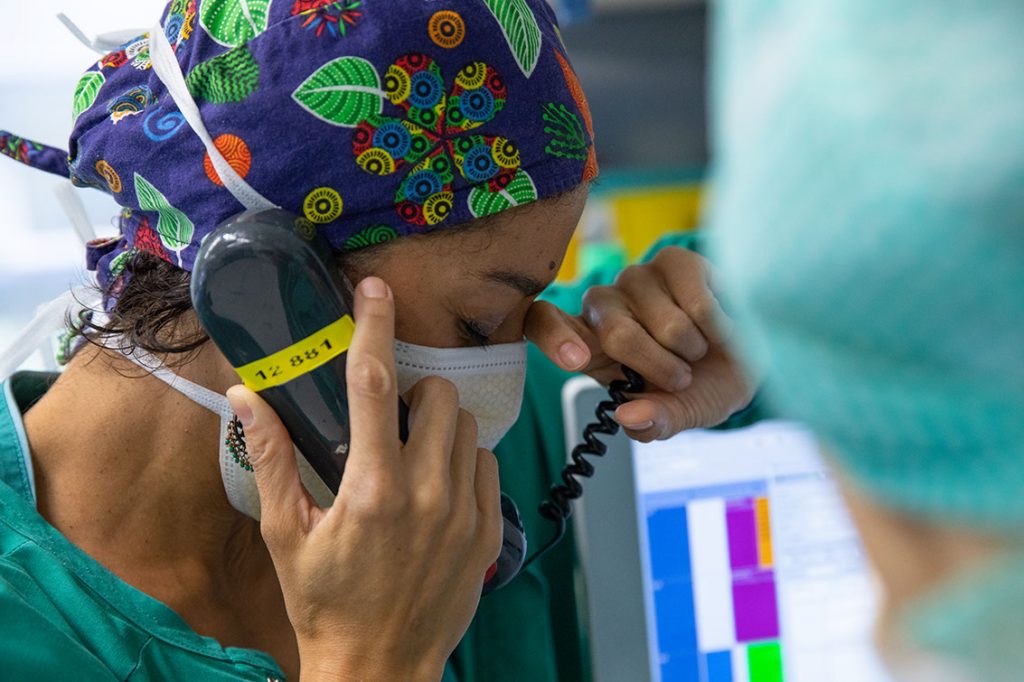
x,y
551,265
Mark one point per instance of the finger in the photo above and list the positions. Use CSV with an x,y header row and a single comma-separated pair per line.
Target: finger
x,y
688,277
372,381
433,420
625,341
670,326
657,415
285,506
488,501
707,313
464,460
556,335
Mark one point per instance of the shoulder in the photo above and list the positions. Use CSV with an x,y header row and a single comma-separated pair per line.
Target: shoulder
x,y
34,644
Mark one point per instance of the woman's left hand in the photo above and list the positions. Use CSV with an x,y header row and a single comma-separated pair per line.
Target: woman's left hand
x,y
662,320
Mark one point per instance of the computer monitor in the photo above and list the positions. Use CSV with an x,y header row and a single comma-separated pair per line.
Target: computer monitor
x,y
720,556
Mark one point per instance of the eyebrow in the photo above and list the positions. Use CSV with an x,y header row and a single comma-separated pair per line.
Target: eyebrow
x,y
524,284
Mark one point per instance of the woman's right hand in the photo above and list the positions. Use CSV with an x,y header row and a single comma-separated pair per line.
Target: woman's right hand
x,y
383,584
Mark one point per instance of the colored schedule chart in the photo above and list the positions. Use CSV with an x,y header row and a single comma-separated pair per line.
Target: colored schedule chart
x,y
753,570
714,586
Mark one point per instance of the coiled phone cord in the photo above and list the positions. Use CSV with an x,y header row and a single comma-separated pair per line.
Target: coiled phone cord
x,y
558,507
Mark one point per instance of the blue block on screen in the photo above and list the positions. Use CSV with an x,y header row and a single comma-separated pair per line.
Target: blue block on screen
x,y
719,666
669,542
675,618
681,668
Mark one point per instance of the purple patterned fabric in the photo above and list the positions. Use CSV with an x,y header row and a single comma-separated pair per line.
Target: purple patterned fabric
x,y
34,154
372,119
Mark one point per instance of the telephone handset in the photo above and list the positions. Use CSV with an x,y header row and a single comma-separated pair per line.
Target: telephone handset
x,y
263,292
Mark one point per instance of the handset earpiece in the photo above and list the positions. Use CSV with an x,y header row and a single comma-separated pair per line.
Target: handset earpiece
x,y
264,292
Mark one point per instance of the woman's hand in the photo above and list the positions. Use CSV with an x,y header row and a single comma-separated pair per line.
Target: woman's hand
x,y
662,320
382,585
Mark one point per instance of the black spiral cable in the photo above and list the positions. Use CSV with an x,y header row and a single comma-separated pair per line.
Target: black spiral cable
x,y
558,507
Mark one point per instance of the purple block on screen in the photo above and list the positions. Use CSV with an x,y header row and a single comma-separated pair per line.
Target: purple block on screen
x,y
742,529
755,608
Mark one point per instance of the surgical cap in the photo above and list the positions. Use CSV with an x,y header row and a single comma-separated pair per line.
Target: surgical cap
x,y
868,217
370,120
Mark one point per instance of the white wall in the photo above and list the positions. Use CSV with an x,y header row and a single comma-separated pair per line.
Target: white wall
x,y
40,62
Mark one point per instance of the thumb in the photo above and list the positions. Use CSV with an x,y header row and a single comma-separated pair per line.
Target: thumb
x,y
283,499
557,336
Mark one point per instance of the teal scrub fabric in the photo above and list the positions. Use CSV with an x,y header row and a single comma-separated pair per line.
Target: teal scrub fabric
x,y
868,222
66,616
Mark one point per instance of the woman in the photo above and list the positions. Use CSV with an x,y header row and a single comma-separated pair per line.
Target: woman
x,y
413,141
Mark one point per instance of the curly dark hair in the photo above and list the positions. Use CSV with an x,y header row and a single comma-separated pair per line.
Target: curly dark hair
x,y
152,313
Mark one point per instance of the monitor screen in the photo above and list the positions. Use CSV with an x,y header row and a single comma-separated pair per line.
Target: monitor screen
x,y
752,569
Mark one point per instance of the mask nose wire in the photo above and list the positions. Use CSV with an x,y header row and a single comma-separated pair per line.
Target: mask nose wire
x,y
167,69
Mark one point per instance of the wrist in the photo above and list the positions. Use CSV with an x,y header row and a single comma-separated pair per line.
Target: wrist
x,y
323,663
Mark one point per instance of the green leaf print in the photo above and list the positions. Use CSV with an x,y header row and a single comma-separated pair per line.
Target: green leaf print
x,y
370,236
568,136
86,91
234,22
343,92
520,29
174,227
230,77
521,190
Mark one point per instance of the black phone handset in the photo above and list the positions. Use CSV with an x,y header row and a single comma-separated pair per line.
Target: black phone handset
x,y
264,293
558,508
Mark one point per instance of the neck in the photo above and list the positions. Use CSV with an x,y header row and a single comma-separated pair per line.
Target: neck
x,y
127,468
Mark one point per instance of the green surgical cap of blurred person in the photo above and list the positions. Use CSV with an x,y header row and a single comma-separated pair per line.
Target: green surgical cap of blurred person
x,y
868,219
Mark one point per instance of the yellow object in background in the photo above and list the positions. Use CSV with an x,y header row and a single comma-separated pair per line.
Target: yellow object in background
x,y
641,217
626,216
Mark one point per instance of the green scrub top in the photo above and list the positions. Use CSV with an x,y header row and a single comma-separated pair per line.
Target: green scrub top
x,y
65,616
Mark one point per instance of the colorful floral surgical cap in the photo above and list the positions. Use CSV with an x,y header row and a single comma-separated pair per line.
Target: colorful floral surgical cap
x,y
370,119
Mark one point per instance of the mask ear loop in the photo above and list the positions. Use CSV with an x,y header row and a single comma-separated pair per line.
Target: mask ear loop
x,y
167,69
102,44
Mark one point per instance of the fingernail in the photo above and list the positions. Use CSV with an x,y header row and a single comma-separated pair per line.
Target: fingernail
x,y
374,287
241,409
683,380
641,426
571,355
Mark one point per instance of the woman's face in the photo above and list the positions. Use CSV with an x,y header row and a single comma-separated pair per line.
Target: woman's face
x,y
473,287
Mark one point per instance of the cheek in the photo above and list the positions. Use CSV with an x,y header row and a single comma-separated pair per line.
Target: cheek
x,y
418,288
423,321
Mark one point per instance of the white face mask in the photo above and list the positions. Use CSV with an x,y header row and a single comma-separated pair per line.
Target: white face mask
x,y
490,381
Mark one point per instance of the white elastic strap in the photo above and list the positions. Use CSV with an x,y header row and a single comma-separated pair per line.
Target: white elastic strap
x,y
49,320
201,395
101,44
74,209
167,69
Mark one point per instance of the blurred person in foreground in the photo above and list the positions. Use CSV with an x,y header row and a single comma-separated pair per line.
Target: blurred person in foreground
x,y
868,221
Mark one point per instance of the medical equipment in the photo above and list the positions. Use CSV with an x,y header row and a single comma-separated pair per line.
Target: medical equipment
x,y
734,559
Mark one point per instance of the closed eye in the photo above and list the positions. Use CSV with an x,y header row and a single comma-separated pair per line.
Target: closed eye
x,y
472,333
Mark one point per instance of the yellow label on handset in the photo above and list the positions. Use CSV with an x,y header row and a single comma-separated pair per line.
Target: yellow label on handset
x,y
299,358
